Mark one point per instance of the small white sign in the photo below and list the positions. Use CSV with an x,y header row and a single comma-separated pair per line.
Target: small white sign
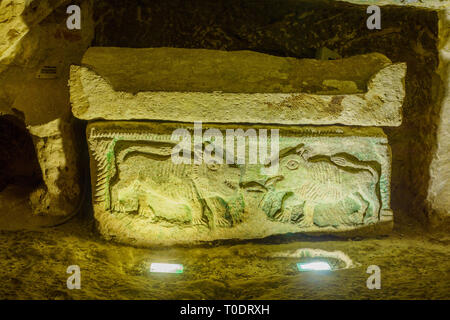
x,y
47,72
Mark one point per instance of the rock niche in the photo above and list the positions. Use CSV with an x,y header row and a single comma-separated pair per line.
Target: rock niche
x,y
192,145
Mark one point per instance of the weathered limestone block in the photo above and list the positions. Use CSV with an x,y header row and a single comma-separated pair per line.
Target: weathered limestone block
x,y
54,145
215,86
328,180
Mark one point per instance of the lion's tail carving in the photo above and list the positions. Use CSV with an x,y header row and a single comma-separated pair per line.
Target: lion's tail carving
x,y
346,162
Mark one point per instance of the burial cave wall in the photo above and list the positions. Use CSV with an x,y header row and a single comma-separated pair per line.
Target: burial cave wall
x,y
36,52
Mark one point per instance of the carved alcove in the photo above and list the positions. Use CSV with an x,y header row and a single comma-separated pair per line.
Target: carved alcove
x,y
258,26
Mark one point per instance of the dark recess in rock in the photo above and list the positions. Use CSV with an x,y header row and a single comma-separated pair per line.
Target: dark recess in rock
x,y
18,160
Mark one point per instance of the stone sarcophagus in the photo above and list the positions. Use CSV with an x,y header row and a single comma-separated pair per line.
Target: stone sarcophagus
x,y
198,145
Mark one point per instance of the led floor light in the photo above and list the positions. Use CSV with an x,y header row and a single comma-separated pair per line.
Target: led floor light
x,y
166,268
314,266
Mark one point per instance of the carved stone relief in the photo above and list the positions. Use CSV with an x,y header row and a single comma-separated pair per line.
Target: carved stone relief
x,y
329,179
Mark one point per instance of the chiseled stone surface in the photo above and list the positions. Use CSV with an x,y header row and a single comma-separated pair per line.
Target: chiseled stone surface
x,y
94,96
329,180
439,189
201,70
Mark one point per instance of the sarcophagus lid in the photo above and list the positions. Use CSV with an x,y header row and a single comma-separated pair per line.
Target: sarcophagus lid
x,y
236,87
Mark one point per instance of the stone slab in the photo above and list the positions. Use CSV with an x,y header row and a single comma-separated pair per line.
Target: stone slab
x,y
236,87
330,180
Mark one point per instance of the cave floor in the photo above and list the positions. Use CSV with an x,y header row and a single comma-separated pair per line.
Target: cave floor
x,y
414,263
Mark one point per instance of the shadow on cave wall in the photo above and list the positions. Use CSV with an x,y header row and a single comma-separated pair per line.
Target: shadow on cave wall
x,y
297,29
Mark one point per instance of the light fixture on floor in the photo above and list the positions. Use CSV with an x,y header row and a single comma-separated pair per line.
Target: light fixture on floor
x,y
166,268
309,259
313,266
